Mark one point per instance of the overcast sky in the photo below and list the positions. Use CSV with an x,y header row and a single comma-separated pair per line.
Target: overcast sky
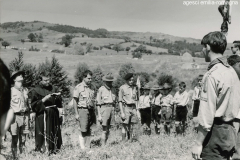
x,y
165,16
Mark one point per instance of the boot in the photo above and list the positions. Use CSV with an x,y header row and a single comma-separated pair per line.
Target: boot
x,y
14,153
81,142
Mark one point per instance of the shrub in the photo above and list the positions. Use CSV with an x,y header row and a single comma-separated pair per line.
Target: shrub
x,y
78,76
78,49
137,55
58,51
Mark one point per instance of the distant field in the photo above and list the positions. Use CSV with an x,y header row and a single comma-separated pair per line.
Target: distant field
x,y
112,63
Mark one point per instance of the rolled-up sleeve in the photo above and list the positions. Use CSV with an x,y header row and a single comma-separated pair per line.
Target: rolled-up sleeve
x,y
208,102
76,92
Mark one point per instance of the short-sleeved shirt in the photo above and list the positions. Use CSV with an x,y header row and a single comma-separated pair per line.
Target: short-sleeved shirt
x,y
106,95
19,99
128,94
219,95
157,100
196,93
166,100
84,94
181,99
144,101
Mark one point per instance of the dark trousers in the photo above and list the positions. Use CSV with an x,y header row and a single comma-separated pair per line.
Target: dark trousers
x,y
196,104
220,142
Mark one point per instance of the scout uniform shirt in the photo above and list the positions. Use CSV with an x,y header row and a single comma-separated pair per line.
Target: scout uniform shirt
x,y
219,95
105,95
127,94
196,93
181,99
156,100
85,95
19,99
166,101
144,102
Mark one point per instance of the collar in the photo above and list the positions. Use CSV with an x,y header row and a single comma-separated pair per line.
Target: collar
x,y
222,60
84,84
107,87
18,89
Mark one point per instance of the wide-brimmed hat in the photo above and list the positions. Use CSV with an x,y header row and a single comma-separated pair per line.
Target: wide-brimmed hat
x,y
17,73
156,87
166,86
146,87
108,77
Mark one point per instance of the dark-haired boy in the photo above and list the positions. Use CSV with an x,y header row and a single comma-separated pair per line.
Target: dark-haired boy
x,y
219,103
180,101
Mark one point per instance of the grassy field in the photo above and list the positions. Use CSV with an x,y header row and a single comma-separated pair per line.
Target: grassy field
x,y
154,147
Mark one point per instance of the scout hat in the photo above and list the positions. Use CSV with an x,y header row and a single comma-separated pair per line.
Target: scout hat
x,y
108,77
146,87
16,73
128,76
156,87
166,86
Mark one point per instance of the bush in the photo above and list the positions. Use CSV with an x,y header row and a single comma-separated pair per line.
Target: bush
x,y
78,76
34,49
58,51
95,48
137,55
78,49
127,48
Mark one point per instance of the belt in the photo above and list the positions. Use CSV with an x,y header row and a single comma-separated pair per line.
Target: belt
x,y
20,113
219,121
181,106
50,106
108,104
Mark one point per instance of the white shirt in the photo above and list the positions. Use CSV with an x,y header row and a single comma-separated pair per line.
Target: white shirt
x,y
196,93
144,101
181,99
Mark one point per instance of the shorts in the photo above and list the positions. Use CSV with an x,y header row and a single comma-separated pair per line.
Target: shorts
x,y
196,104
107,113
145,115
156,117
20,125
87,118
181,113
130,115
219,143
166,114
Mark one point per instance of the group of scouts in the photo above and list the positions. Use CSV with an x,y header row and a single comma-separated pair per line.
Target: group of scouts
x,y
159,107
216,106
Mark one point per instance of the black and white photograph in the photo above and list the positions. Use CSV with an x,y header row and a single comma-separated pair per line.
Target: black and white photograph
x,y
120,79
